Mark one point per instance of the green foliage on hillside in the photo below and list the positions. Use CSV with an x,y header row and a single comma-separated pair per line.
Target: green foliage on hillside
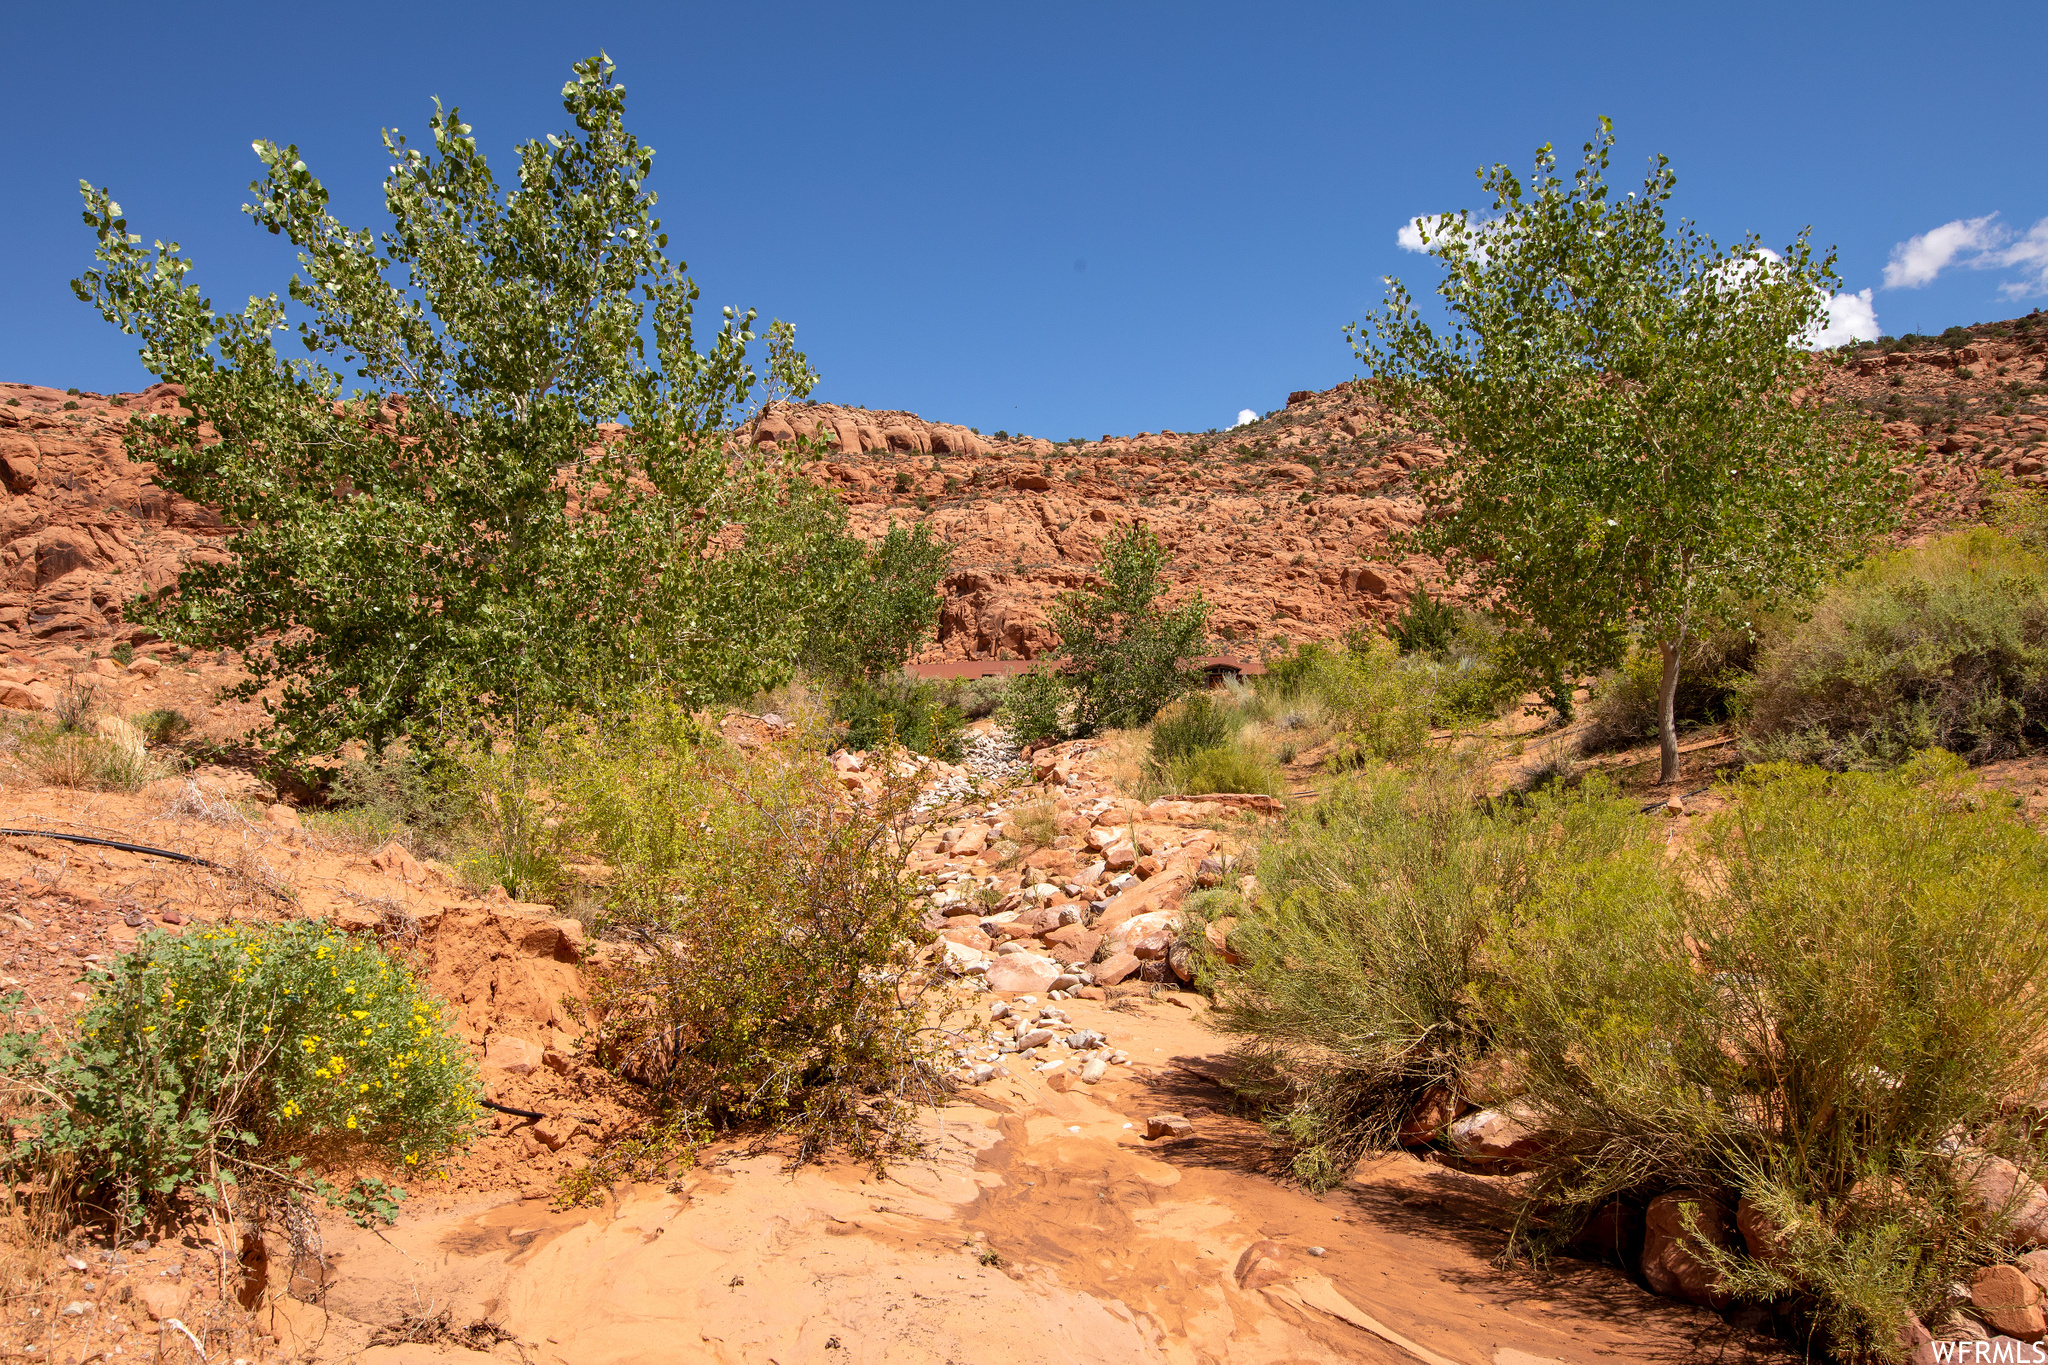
x,y
502,477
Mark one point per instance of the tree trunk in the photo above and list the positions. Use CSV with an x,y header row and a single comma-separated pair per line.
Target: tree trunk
x,y
1667,705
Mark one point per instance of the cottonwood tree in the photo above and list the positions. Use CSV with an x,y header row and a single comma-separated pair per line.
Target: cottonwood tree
x,y
1630,452
525,496
1121,653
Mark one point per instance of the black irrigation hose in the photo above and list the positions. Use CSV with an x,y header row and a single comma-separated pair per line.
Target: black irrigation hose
x,y
114,843
145,849
508,1109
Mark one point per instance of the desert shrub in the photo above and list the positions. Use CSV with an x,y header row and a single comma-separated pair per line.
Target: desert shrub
x,y
1036,707
106,754
399,792
509,826
1713,673
1223,768
1382,708
1193,723
1038,821
1945,645
164,725
233,1055
1357,989
1424,624
974,698
1831,1014
770,922
898,709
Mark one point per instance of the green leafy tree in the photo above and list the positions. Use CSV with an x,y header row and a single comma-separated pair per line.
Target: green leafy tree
x,y
1122,654
1631,453
528,499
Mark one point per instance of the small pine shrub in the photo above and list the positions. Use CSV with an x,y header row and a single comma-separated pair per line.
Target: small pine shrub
x,y
123,653
235,1055
1424,624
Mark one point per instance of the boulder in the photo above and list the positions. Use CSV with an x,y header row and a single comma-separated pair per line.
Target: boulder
x,y
1024,973
2004,1192
1115,968
514,1055
2008,1302
1760,1232
1671,1265
1507,1138
1433,1109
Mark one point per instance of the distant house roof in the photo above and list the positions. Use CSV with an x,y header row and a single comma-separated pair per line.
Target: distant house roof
x,y
1010,668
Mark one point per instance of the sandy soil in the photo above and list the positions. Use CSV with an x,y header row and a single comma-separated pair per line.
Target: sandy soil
x,y
1042,1224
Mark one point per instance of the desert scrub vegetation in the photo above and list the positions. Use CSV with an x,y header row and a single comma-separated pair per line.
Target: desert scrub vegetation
x,y
1819,1025
1197,749
768,977
1357,995
1940,646
894,708
238,1062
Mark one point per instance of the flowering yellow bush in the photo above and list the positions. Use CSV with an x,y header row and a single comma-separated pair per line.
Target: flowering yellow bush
x,y
251,1048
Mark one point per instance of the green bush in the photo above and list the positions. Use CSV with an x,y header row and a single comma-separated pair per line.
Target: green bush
x,y
1188,725
771,924
1945,645
974,698
1223,768
1424,625
233,1055
1830,1015
1036,707
163,725
1357,991
898,709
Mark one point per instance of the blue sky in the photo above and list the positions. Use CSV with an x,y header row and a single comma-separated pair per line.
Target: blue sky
x,y
1054,218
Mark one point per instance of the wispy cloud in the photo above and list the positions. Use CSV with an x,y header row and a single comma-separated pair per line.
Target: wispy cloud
x,y
1917,260
2030,255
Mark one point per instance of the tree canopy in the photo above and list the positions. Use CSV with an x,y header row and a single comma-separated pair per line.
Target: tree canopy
x,y
502,477
1631,453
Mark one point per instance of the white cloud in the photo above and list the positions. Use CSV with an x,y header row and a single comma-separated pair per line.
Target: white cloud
x,y
1851,317
2030,254
1245,415
1918,260
1410,235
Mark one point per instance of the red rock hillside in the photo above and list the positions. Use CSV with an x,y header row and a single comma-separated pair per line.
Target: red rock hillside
x,y
1283,524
